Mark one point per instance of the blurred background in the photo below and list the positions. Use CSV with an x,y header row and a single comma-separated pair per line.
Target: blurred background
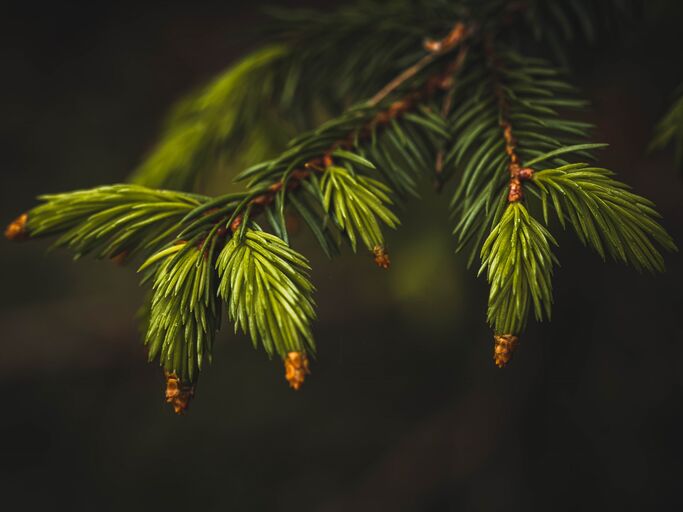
x,y
404,409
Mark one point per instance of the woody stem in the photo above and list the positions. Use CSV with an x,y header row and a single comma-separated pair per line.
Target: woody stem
x,y
517,173
435,48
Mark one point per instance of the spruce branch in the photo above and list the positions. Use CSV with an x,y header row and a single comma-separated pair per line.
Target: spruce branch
x,y
357,202
517,173
286,85
604,214
111,221
455,37
508,120
401,141
518,261
185,313
468,105
499,128
298,73
268,293
230,117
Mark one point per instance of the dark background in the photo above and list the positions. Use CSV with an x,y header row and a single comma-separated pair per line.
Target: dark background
x,y
404,409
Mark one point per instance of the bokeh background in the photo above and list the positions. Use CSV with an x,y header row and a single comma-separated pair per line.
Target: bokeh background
x,y
404,409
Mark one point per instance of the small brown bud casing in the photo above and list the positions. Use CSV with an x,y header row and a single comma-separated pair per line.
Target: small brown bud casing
x,y
178,394
526,173
17,231
505,345
515,190
296,369
381,257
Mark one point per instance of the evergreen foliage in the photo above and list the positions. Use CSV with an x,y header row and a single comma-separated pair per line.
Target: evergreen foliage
x,y
604,214
212,125
530,91
518,259
265,284
357,201
476,109
112,220
185,310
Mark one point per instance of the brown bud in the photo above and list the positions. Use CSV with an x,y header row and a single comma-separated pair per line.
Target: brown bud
x,y
17,231
327,161
515,190
296,369
177,393
525,173
381,257
504,347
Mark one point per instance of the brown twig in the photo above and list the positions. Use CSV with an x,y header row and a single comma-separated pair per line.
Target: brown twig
x,y
435,48
439,82
518,174
505,343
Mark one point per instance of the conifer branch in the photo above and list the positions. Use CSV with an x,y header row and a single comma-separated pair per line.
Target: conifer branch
x,y
525,93
282,88
468,106
517,173
455,37
185,312
357,203
266,287
218,123
604,214
518,261
348,139
111,221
